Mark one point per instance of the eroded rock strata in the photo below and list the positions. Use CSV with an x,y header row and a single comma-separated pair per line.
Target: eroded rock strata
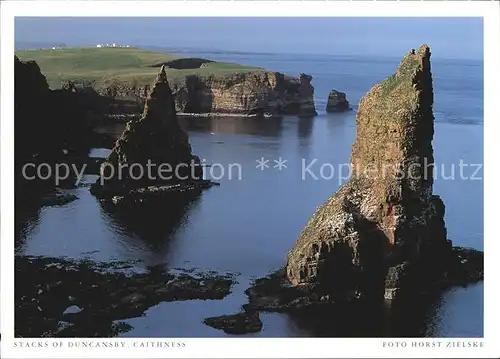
x,y
153,151
337,102
383,233
254,93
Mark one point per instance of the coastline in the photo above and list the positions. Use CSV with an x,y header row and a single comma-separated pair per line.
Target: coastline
x,y
217,115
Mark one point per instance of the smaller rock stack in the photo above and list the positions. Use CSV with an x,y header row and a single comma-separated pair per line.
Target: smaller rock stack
x,y
152,152
337,102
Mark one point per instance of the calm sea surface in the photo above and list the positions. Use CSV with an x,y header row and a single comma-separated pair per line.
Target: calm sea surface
x,y
247,225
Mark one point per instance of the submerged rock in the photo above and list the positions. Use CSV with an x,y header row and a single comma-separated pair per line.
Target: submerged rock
x,y
240,323
152,150
337,102
383,232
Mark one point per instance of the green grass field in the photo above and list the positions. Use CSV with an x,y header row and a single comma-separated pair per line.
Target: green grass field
x,y
125,65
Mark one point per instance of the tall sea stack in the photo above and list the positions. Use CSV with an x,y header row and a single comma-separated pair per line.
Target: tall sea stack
x,y
386,215
383,233
154,141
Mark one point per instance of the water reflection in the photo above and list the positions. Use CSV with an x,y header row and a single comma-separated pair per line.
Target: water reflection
x,y
305,127
262,127
149,227
415,317
26,218
341,120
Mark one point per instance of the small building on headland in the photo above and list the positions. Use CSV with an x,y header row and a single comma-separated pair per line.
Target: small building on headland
x,y
111,45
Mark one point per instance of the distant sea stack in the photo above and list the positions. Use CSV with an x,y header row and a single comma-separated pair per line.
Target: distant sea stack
x,y
337,102
383,233
155,140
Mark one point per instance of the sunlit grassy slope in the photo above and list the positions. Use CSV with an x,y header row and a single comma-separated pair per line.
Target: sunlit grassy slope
x,y
103,65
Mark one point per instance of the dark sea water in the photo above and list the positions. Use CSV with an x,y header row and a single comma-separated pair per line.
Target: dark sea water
x,y
247,225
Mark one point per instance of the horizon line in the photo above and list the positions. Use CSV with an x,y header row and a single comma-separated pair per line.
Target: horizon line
x,y
183,48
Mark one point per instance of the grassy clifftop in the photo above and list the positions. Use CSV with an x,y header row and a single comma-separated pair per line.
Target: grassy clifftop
x,y
127,65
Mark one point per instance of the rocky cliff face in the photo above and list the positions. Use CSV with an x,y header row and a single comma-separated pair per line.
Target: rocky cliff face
x,y
49,129
153,141
31,92
245,94
49,125
383,232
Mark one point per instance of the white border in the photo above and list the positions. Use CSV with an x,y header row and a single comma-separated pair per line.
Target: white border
x,y
262,347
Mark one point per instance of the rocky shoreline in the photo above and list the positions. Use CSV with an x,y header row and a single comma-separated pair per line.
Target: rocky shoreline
x,y
59,297
275,293
376,240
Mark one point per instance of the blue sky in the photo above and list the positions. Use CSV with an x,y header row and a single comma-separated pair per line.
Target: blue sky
x,y
447,37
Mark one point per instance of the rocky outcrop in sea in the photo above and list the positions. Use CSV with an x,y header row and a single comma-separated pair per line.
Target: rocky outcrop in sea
x,y
153,155
241,323
337,102
382,235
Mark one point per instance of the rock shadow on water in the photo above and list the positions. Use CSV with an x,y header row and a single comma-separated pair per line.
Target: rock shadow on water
x,y
152,223
26,218
416,313
29,202
305,126
254,126
415,318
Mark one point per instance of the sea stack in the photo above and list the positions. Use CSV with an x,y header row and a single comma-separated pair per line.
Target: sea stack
x,y
155,140
337,102
385,220
382,235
